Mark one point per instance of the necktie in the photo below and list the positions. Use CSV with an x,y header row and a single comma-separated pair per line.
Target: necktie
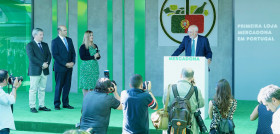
x,y
40,46
193,48
66,44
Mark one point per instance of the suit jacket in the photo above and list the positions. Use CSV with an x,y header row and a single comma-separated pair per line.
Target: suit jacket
x,y
202,47
37,58
61,55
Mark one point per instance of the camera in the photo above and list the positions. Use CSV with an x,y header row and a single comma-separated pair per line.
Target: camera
x,y
144,85
107,75
200,122
11,79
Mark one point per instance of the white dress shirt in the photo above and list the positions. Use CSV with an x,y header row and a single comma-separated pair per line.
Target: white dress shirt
x,y
6,115
276,121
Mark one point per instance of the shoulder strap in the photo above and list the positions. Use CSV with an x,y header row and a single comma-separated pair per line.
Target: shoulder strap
x,y
196,95
175,91
214,104
167,99
190,93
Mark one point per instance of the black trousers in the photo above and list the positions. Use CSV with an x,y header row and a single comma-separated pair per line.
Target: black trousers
x,y
63,85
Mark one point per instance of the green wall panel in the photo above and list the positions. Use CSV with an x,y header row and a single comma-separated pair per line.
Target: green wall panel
x,y
139,39
123,44
54,33
82,27
110,37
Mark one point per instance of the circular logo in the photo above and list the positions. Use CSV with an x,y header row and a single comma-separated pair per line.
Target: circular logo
x,y
175,17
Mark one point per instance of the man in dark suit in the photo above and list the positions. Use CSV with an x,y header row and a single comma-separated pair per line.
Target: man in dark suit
x,y
64,59
39,56
194,45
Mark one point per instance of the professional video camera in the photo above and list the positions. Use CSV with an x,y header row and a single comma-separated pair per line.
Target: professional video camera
x,y
11,79
107,75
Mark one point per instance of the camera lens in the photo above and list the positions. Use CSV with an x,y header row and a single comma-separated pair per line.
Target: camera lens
x,y
11,79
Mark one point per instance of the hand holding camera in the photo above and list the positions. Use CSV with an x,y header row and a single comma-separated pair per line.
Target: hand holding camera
x,y
114,84
114,88
17,83
147,85
12,80
192,81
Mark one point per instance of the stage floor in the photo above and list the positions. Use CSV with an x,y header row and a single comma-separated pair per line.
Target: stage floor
x,y
58,121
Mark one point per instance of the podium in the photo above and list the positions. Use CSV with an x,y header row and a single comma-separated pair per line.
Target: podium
x,y
172,71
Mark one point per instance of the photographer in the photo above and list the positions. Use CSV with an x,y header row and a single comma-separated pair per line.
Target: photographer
x,y
183,87
135,104
6,100
97,106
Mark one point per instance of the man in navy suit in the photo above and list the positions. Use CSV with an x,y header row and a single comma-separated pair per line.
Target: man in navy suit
x,y
194,45
39,56
64,55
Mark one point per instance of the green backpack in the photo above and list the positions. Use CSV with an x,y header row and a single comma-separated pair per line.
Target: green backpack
x,y
180,112
225,125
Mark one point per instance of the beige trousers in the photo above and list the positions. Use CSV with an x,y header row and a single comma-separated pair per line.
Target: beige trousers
x,y
37,83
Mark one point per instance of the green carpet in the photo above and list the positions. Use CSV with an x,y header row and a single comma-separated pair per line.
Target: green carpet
x,y
58,121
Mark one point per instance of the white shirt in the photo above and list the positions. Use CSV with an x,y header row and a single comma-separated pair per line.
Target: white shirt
x,y
38,43
62,38
6,115
276,121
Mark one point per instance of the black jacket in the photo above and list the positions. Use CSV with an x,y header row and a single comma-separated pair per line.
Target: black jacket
x,y
84,53
37,58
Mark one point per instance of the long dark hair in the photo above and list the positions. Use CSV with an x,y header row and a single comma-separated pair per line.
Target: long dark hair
x,y
223,96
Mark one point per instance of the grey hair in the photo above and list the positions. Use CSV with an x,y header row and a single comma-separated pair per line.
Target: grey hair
x,y
269,92
187,73
36,30
195,27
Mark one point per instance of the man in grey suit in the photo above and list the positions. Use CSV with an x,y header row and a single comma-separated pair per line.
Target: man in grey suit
x,y
39,56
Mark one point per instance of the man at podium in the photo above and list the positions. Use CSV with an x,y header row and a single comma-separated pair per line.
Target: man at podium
x,y
194,45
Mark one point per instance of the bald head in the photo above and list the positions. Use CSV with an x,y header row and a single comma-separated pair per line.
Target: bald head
x,y
187,73
62,30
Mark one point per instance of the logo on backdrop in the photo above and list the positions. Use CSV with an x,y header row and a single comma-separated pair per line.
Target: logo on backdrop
x,y
177,15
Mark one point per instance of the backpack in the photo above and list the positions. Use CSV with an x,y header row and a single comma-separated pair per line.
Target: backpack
x,y
180,112
225,125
